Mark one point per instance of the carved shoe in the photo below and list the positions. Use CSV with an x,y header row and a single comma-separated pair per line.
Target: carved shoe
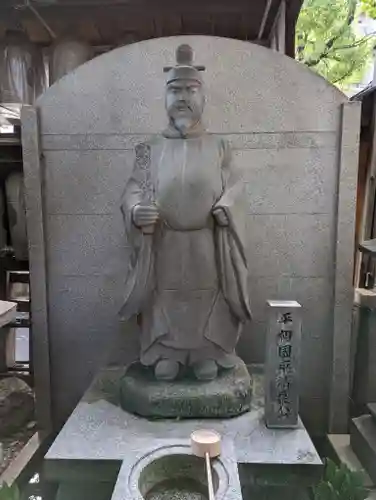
x,y
227,361
205,370
166,369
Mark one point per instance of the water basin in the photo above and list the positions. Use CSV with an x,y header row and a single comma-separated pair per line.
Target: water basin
x,y
177,476
180,488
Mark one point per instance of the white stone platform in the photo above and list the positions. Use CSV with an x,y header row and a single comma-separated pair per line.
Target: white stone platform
x,y
7,312
99,436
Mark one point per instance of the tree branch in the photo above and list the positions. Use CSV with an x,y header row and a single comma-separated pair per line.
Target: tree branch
x,y
345,75
357,42
333,58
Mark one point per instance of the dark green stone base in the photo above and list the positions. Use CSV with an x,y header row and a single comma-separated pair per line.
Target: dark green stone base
x,y
228,395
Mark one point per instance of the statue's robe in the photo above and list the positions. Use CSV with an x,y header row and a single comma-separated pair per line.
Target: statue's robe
x,y
188,281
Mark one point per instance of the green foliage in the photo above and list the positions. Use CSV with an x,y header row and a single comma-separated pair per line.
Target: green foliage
x,y
328,42
340,483
369,7
10,492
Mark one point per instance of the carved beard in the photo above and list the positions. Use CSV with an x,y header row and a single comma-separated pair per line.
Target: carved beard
x,y
184,122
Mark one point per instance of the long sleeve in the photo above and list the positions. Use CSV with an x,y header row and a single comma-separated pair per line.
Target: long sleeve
x,y
140,265
231,240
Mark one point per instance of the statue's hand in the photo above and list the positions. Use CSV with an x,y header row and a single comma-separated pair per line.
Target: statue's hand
x,y
220,217
145,215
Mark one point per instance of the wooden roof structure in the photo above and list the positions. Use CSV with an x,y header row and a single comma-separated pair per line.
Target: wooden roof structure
x,y
109,22
365,269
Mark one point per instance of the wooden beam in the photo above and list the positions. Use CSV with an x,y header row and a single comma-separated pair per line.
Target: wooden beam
x,y
255,18
145,24
292,13
89,9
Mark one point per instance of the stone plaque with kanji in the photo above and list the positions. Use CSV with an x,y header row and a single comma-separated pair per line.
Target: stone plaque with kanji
x,y
282,363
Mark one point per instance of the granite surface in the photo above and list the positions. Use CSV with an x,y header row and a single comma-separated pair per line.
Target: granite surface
x,y
372,409
165,459
99,435
363,442
289,145
82,490
282,364
364,297
343,267
228,395
7,312
368,246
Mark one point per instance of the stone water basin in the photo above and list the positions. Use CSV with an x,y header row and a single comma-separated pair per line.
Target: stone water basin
x,y
173,473
177,489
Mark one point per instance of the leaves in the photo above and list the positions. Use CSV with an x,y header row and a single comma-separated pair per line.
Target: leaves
x,y
329,43
324,491
340,483
369,7
10,492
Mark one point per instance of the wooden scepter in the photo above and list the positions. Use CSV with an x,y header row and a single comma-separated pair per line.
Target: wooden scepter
x,y
143,159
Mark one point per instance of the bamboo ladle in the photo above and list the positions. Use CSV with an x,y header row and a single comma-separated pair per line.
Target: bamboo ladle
x,y
207,444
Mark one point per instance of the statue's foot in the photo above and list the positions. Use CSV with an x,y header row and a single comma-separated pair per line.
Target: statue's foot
x,y
227,361
205,370
166,369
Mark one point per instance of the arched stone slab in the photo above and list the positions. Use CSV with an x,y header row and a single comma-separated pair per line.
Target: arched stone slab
x,y
285,125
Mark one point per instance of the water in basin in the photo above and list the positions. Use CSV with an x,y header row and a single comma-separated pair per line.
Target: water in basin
x,y
179,488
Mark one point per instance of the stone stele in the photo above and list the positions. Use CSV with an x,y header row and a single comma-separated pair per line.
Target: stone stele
x,y
227,395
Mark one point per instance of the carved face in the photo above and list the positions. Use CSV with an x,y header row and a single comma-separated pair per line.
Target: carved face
x,y
184,104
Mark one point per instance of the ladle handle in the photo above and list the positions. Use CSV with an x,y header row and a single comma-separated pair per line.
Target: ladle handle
x,y
210,477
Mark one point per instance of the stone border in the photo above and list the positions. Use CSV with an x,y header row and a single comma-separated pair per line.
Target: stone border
x,y
33,180
242,141
344,267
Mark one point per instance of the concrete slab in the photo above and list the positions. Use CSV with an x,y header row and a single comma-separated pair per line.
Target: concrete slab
x,y
7,312
340,444
363,442
365,298
99,436
372,409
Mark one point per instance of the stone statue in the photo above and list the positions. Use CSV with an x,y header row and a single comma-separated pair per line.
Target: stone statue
x,y
184,209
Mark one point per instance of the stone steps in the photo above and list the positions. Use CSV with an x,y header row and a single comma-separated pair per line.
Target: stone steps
x,y
372,409
357,450
341,452
363,442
